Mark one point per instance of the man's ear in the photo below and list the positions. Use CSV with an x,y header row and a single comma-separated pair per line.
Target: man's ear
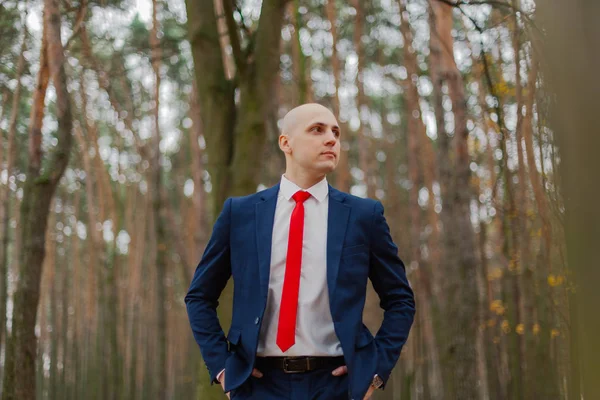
x,y
284,143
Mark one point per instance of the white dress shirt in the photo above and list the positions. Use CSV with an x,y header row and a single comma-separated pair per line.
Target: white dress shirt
x,y
315,335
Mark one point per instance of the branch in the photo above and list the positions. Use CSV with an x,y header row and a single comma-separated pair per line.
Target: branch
x,y
458,3
488,78
203,35
107,84
234,36
64,115
243,21
266,47
78,23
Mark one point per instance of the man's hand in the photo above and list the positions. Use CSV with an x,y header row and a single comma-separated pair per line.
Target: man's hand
x,y
369,392
222,382
255,373
339,371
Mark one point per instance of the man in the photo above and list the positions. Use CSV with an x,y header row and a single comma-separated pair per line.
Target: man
x,y
300,254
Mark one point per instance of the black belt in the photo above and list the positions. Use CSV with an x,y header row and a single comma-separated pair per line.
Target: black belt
x,y
299,364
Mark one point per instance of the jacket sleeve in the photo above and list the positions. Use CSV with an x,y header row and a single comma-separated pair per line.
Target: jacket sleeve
x,y
388,275
202,298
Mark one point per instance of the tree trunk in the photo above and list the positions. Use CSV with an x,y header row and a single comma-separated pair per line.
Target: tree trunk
x,y
95,244
19,382
512,230
64,314
459,350
4,190
157,208
198,224
365,147
235,131
52,298
432,383
342,173
76,354
299,60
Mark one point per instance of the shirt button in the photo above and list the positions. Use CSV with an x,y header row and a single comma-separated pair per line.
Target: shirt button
x,y
256,321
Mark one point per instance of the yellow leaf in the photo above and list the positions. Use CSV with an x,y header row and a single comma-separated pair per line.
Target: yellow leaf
x,y
513,264
520,329
554,333
495,304
505,326
494,273
497,307
536,328
555,280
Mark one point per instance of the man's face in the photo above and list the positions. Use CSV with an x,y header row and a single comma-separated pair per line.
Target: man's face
x,y
311,138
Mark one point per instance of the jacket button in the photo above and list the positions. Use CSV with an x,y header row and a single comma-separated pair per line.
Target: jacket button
x,y
256,321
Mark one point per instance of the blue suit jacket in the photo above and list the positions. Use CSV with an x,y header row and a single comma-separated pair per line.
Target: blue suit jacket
x,y
359,247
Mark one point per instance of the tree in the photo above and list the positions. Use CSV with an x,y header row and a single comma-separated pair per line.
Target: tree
x,y
39,190
458,356
4,191
235,129
234,110
571,34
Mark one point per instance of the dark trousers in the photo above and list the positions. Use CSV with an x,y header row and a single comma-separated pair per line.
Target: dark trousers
x,y
278,385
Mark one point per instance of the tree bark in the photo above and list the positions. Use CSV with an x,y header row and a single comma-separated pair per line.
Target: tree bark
x,y
234,111
199,222
299,60
458,351
417,169
570,35
19,383
160,247
5,206
342,173
365,147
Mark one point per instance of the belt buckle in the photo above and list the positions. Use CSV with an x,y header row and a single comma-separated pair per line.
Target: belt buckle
x,y
286,365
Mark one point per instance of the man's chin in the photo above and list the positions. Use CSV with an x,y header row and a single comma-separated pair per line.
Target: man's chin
x,y
327,168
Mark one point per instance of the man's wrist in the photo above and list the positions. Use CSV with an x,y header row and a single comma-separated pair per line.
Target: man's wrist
x,y
377,382
220,375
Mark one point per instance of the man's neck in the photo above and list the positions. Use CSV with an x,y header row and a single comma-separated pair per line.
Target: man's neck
x,y
304,181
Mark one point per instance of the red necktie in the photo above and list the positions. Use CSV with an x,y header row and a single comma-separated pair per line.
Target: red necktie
x,y
286,330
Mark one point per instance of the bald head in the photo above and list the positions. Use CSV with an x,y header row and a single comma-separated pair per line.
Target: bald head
x,y
302,115
310,140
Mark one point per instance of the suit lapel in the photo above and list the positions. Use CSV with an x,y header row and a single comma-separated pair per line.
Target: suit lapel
x,y
337,222
265,216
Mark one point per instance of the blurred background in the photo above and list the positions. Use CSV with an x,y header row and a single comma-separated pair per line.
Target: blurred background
x,y
126,124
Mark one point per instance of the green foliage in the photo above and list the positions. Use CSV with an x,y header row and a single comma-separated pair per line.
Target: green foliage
x,y
172,34
9,27
120,4
138,38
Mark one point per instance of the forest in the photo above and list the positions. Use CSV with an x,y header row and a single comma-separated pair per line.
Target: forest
x,y
126,124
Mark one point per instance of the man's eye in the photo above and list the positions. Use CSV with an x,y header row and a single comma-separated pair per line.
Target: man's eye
x,y
316,128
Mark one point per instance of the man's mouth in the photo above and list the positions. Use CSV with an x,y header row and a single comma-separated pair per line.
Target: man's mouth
x,y
329,153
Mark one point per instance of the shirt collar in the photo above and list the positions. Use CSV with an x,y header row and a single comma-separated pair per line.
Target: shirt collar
x,y
319,190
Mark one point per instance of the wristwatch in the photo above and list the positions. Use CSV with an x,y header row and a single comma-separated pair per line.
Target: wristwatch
x,y
377,382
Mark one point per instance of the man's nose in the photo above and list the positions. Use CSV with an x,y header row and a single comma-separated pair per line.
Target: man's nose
x,y
330,138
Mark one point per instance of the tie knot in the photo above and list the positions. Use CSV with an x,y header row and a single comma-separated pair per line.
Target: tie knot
x,y
300,196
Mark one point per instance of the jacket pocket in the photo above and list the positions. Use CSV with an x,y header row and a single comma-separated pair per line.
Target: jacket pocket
x,y
351,250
